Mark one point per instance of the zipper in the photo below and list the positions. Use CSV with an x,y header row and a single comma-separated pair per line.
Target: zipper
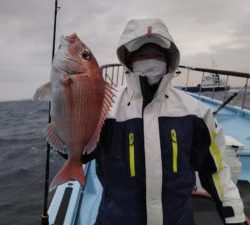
x,y
175,150
131,139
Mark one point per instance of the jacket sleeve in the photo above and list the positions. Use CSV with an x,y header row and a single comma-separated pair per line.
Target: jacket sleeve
x,y
214,173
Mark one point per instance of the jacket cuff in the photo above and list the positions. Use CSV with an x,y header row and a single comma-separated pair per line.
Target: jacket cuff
x,y
233,213
238,223
237,219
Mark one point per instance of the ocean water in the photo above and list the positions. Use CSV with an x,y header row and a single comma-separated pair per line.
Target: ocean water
x,y
22,161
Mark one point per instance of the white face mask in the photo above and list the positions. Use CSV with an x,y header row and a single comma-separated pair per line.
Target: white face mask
x,y
153,69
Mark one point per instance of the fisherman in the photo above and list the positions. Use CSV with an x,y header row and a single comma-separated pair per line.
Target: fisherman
x,y
155,138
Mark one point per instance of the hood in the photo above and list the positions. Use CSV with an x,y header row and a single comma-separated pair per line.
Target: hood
x,y
141,31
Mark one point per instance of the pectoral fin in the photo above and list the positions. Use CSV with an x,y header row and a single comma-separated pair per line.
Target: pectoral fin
x,y
43,93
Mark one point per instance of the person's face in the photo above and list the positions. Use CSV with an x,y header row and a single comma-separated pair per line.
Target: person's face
x,y
148,52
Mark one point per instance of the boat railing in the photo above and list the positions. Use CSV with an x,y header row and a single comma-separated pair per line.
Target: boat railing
x,y
114,74
234,82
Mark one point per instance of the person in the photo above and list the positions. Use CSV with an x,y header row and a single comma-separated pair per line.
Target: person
x,y
155,138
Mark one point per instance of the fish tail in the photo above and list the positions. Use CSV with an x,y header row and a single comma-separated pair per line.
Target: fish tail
x,y
70,171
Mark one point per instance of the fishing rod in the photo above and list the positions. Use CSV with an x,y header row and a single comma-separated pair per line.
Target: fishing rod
x,y
228,100
45,216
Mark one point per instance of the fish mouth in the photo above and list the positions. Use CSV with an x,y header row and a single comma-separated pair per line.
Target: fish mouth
x,y
72,69
71,38
73,66
70,59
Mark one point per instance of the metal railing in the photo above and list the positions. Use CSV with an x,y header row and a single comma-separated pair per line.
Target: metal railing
x,y
115,75
242,89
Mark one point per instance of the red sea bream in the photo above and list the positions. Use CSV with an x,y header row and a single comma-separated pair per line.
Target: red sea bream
x,y
80,100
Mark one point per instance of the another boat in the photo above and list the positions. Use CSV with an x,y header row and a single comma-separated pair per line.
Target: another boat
x,y
208,83
76,205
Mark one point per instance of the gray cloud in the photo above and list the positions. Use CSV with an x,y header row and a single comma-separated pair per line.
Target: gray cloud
x,y
203,30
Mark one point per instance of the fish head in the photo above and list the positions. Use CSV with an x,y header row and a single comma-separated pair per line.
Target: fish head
x,y
74,57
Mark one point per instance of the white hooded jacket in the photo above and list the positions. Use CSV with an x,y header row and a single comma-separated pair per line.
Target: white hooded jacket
x,y
157,147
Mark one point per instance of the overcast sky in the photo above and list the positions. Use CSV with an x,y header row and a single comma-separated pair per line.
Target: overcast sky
x,y
204,31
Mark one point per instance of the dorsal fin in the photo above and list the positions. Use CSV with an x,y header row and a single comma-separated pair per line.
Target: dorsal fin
x,y
107,102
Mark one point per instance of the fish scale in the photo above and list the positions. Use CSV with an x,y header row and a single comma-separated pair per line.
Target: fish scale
x,y
76,126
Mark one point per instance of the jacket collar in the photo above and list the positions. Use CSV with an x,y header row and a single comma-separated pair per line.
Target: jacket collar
x,y
134,87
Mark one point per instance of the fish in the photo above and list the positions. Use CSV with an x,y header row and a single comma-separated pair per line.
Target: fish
x,y
80,101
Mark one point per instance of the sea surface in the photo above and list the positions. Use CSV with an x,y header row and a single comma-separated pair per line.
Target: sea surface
x,y
22,160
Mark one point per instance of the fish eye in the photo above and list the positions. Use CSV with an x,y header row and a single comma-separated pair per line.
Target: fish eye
x,y
86,54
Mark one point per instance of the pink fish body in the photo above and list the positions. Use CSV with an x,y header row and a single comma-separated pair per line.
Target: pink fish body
x,y
80,101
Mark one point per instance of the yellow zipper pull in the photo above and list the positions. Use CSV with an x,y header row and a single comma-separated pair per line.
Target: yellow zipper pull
x,y
132,154
175,149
